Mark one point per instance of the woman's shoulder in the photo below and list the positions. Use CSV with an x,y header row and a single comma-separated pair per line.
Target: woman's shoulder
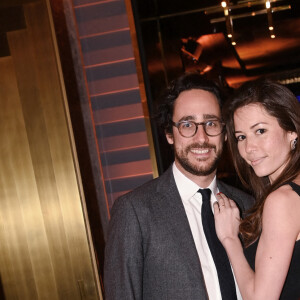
x,y
282,208
287,191
283,196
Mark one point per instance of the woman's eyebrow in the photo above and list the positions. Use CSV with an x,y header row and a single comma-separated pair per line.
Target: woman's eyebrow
x,y
253,126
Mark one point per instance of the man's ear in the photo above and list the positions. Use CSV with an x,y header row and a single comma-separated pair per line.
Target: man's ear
x,y
170,138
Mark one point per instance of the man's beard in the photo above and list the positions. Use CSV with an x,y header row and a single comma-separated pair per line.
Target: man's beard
x,y
198,169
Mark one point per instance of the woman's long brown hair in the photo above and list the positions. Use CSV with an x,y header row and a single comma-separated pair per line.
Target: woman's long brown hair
x,y
281,103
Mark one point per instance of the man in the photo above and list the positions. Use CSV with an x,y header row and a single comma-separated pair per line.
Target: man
x,y
157,246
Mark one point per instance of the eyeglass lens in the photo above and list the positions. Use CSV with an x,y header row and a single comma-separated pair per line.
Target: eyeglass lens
x,y
189,129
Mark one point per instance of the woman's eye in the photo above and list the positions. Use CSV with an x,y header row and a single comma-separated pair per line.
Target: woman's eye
x,y
240,137
260,131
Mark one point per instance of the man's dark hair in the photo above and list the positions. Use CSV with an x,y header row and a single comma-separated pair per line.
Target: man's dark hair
x,y
187,81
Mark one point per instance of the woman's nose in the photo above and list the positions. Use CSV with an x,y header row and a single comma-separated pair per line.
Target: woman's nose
x,y
250,145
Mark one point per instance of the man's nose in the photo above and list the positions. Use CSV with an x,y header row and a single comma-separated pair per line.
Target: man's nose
x,y
201,135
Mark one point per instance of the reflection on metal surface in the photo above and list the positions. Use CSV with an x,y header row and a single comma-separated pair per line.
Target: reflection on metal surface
x,y
44,250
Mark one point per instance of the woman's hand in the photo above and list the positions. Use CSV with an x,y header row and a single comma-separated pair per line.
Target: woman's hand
x,y
227,218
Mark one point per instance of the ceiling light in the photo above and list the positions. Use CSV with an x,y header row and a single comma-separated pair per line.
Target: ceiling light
x,y
228,19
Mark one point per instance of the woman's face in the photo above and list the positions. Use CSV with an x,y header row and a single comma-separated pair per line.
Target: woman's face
x,y
262,143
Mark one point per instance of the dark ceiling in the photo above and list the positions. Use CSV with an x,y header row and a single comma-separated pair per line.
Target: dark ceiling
x,y
180,35
183,35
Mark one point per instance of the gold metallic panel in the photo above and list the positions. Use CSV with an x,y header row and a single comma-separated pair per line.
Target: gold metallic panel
x,y
44,249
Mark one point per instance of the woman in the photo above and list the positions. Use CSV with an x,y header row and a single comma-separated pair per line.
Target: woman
x,y
263,125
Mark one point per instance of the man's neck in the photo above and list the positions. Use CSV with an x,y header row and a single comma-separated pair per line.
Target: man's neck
x,y
201,180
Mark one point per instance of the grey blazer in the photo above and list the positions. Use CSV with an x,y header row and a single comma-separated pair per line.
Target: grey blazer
x,y
150,252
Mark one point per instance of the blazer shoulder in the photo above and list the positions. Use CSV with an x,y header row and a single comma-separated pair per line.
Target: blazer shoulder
x,y
244,200
150,190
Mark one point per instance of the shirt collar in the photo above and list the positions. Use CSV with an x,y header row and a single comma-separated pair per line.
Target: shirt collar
x,y
186,187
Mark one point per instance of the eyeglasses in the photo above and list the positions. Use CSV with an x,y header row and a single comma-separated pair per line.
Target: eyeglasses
x,y
189,128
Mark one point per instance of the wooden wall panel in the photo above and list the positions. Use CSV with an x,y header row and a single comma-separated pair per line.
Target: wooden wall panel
x,y
45,248
111,114
106,47
116,96
100,17
130,140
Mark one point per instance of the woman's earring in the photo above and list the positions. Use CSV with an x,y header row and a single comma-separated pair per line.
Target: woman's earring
x,y
294,143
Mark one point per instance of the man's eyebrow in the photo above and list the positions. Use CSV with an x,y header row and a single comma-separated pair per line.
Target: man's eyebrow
x,y
205,117
208,116
187,118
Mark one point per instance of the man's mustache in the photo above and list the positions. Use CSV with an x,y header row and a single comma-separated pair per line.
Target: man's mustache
x,y
200,146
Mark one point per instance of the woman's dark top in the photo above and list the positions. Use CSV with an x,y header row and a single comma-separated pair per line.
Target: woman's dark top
x,y
291,288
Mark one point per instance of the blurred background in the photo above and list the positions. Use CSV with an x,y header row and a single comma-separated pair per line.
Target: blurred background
x,y
228,41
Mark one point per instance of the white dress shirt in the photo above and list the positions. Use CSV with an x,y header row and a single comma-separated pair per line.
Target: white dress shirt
x,y
192,202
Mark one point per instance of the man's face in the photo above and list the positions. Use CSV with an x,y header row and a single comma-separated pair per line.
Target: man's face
x,y
197,155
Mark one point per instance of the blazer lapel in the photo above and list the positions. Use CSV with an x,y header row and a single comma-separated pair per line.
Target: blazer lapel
x,y
171,210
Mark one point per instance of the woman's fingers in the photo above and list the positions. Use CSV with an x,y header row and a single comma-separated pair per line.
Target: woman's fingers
x,y
232,203
216,208
227,217
225,201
